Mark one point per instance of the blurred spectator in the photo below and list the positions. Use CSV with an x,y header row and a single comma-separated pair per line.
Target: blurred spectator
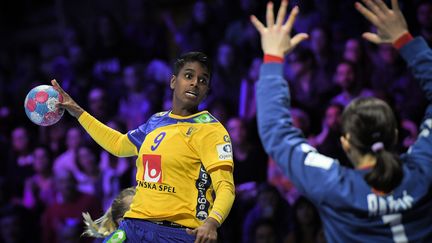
x,y
355,52
17,225
270,206
88,173
327,142
99,104
307,223
424,19
225,82
248,41
62,221
310,89
265,232
250,160
321,47
66,160
246,101
39,189
115,172
20,160
55,138
388,67
200,33
221,110
145,31
307,18
348,80
134,106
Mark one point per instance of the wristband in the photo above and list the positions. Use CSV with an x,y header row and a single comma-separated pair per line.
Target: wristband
x,y
271,58
402,40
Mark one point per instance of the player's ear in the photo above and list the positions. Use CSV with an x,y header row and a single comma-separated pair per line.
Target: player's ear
x,y
345,142
173,81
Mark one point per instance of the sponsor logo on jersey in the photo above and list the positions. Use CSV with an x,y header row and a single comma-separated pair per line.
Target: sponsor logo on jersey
x,y
202,184
190,131
224,151
118,237
152,168
203,118
227,139
163,113
156,186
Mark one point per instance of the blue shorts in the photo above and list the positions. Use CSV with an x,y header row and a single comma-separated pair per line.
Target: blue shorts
x,y
138,230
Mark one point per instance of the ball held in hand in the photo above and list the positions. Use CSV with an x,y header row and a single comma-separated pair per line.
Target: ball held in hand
x,y
40,105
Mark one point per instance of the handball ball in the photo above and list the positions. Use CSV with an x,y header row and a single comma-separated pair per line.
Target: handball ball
x,y
40,105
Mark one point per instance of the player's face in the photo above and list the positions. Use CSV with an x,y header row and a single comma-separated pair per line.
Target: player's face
x,y
190,85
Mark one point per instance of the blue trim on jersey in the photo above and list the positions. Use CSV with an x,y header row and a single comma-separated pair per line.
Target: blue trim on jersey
x,y
161,119
350,211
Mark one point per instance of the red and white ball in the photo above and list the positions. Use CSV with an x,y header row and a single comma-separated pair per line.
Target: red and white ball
x,y
40,105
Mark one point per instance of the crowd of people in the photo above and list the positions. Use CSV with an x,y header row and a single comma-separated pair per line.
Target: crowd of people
x,y
119,71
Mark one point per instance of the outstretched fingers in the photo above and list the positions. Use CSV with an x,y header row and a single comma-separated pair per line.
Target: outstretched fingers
x,y
374,6
281,13
57,86
297,39
258,25
291,19
372,37
369,15
270,15
395,5
381,5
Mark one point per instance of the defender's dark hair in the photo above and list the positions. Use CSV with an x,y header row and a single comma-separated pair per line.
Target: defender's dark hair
x,y
192,57
370,121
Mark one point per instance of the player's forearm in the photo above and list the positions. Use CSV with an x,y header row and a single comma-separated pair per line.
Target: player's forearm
x,y
418,56
223,184
111,140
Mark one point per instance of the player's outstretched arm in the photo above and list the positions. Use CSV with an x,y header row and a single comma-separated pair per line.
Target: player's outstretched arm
x,y
393,29
390,23
275,37
111,140
68,103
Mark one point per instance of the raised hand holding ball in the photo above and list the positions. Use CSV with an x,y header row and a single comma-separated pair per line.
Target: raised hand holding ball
x,y
41,105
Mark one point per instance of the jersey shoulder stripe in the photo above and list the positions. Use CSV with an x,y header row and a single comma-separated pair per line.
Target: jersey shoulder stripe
x,y
165,118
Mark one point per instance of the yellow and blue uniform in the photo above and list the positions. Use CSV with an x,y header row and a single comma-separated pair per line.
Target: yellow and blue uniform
x,y
179,176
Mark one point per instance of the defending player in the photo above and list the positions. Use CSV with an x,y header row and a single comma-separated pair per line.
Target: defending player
x,y
386,197
184,158
110,221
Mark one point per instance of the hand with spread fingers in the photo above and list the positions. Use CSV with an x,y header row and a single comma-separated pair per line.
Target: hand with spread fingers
x,y
68,103
275,37
390,23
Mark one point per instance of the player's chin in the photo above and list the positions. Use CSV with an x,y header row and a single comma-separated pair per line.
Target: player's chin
x,y
193,101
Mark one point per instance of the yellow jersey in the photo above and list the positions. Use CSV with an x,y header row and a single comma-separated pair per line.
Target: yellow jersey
x,y
174,156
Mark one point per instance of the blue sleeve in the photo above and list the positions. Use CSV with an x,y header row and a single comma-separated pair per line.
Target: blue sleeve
x,y
313,174
138,135
418,56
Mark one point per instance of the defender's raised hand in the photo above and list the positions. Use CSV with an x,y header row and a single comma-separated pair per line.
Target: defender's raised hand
x,y
68,103
390,23
275,38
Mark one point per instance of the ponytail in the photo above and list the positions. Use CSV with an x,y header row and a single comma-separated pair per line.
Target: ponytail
x,y
372,129
101,227
108,223
387,172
